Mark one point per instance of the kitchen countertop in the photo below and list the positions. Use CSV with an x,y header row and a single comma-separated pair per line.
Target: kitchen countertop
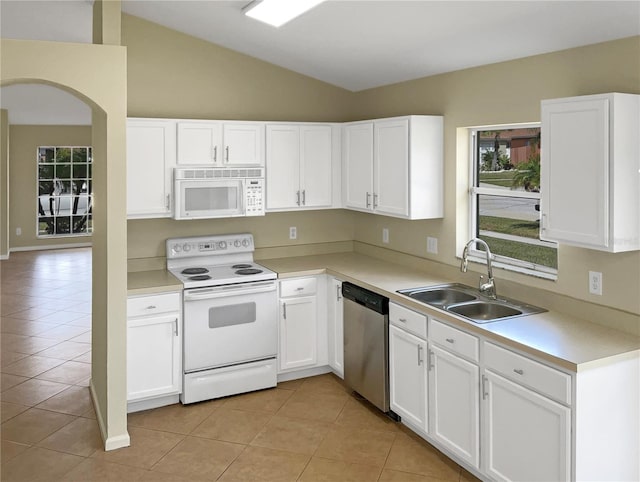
x,y
151,282
566,341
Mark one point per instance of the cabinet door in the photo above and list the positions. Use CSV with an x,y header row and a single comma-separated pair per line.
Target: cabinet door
x,y
358,166
527,436
283,166
454,404
298,332
200,143
151,147
408,377
575,172
154,356
336,337
391,167
315,166
243,144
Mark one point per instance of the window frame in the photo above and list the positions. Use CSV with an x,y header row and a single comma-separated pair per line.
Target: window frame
x,y
474,191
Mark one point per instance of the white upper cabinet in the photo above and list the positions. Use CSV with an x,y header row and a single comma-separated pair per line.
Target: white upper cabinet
x,y
220,144
394,166
299,168
590,162
151,157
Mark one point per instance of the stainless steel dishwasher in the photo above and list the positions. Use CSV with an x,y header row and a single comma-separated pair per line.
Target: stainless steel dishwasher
x,y
366,344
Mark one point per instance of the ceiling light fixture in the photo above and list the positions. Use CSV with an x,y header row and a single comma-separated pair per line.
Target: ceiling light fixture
x,y
278,12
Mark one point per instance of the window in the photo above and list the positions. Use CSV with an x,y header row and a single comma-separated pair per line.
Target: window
x,y
505,199
65,191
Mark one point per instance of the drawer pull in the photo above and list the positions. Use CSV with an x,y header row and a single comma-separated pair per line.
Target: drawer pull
x,y
300,288
419,357
151,307
430,354
485,394
403,320
519,372
450,340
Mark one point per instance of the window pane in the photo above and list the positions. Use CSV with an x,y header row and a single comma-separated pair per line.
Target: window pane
x,y
63,171
63,225
79,171
63,155
46,227
80,224
46,154
45,188
45,171
80,154
90,155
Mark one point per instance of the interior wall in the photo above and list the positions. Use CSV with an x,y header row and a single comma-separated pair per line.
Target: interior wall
x,y
508,92
23,184
4,180
174,75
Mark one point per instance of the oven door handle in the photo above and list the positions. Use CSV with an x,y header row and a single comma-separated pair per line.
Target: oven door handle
x,y
228,290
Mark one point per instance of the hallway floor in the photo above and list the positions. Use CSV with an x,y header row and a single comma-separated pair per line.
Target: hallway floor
x,y
309,430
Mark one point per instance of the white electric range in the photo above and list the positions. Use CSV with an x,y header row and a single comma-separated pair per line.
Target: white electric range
x,y
230,316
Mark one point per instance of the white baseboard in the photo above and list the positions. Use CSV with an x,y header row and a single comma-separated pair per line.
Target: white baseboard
x,y
110,443
50,246
4,257
304,373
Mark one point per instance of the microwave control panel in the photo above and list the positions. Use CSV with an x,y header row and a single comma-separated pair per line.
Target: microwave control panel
x,y
254,197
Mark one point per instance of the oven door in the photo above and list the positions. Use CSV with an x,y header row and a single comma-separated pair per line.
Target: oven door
x,y
199,199
229,324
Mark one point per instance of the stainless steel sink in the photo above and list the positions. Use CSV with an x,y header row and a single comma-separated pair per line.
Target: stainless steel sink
x,y
469,303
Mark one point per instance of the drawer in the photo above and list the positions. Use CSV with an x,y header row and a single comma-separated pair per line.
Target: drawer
x,y
153,304
408,320
298,287
454,340
548,381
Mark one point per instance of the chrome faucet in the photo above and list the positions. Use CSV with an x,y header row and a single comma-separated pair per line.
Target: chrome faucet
x,y
488,288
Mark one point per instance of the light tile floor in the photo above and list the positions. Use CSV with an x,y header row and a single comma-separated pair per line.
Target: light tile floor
x,y
307,430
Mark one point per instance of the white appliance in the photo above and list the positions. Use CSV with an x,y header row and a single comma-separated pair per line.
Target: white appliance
x,y
230,334
202,193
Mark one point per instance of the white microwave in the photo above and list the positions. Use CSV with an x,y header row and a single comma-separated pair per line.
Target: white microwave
x,y
202,193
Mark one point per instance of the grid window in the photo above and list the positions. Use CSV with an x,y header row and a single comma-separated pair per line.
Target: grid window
x,y
505,199
65,191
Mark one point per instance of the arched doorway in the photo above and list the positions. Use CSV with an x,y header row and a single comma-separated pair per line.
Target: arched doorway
x,y
101,84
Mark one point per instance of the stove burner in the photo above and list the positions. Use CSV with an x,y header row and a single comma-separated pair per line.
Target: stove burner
x,y
249,271
200,277
242,265
189,271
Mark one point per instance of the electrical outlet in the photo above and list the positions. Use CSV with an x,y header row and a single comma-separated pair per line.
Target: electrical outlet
x,y
18,231
293,232
385,235
595,283
432,245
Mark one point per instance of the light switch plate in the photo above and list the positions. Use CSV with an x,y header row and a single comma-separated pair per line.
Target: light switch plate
x,y
293,232
432,245
385,235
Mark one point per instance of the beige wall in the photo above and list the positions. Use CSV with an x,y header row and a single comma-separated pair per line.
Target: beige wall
x,y
24,142
4,186
508,92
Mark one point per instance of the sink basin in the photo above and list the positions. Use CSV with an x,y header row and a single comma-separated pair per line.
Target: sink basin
x,y
469,303
484,311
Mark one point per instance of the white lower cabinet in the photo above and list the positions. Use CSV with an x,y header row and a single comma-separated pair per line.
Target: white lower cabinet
x,y
454,404
302,324
335,326
154,350
527,436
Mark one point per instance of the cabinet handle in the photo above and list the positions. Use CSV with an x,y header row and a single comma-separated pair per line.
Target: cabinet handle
x,y
518,371
226,154
543,224
215,153
403,320
485,394
430,354
304,197
150,307
284,311
368,199
338,296
419,357
175,332
375,200
450,340
298,198
168,201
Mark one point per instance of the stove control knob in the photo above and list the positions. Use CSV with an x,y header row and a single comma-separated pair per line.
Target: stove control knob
x,y
245,242
177,248
222,245
186,247
236,243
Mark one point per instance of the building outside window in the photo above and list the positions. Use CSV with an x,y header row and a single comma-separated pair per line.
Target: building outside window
x,y
65,191
505,199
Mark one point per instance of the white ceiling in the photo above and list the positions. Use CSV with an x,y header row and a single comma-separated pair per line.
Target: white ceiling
x,y
352,44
